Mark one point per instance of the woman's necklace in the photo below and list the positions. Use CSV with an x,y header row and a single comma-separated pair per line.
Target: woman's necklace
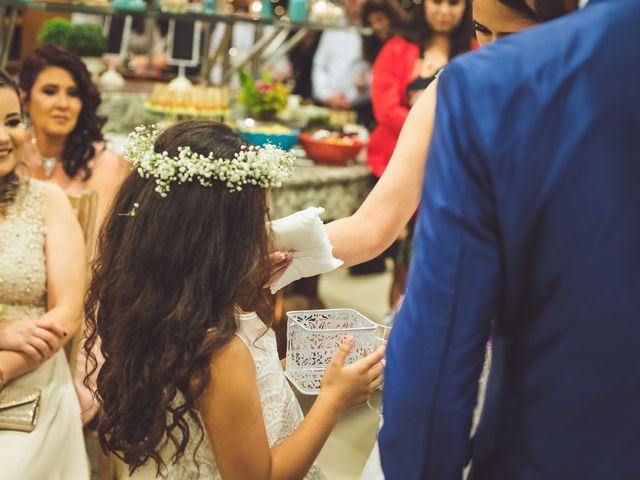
x,y
48,164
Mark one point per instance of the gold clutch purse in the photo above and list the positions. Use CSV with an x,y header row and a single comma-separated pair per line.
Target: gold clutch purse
x,y
19,408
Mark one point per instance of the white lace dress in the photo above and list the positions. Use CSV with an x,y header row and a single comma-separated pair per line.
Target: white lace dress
x,y
280,408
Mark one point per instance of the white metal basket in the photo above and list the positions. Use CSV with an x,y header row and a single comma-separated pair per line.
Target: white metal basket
x,y
314,337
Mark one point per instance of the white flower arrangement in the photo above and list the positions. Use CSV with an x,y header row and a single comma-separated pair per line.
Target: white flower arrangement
x,y
266,166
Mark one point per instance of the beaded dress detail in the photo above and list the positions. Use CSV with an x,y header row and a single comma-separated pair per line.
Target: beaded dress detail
x,y
22,263
23,290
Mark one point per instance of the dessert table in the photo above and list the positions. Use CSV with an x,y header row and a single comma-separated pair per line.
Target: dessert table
x,y
339,190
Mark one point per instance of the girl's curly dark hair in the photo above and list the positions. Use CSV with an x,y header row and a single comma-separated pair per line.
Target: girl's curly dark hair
x,y
165,287
78,148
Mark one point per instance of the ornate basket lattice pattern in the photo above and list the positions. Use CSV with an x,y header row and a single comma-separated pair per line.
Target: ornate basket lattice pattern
x,y
313,338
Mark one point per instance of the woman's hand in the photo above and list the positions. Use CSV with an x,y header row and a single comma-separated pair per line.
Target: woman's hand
x,y
38,339
280,261
352,385
338,101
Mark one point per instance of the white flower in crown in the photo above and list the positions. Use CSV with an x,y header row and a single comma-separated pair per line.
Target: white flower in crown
x,y
265,167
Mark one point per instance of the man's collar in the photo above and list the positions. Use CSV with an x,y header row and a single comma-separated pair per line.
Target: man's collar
x,y
583,3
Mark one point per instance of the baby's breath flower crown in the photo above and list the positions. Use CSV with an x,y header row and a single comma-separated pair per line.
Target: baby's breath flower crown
x,y
266,166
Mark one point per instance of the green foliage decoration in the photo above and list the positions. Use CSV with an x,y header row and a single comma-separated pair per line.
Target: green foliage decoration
x,y
87,40
55,31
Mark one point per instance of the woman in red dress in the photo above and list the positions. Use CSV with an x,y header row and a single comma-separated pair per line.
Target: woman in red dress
x,y
406,65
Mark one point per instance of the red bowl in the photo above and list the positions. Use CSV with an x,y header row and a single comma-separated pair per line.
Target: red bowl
x,y
321,151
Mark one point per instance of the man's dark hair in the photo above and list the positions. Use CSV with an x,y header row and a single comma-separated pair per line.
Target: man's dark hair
x,y
545,9
521,6
549,9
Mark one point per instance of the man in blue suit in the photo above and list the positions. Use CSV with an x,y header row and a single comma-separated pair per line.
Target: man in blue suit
x,y
529,233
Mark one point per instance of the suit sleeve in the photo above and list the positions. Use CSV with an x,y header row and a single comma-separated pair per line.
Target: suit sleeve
x,y
437,344
387,97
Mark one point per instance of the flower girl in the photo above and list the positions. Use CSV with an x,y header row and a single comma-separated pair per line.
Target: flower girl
x,y
191,381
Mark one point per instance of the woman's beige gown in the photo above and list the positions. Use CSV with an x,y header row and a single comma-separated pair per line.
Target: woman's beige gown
x,y
55,449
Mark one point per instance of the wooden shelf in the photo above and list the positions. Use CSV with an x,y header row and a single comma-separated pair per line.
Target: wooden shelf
x,y
152,12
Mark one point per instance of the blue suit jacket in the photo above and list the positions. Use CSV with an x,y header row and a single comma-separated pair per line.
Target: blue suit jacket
x,y
529,231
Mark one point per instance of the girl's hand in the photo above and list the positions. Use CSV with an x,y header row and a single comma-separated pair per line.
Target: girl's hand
x,y
37,339
280,261
352,385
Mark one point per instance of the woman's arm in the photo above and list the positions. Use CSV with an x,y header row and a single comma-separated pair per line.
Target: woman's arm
x,y
234,421
395,197
66,277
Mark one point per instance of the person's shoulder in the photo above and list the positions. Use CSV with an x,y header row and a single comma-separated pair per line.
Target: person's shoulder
x,y
397,50
493,72
399,44
107,163
496,62
233,356
52,192
339,38
54,197
107,158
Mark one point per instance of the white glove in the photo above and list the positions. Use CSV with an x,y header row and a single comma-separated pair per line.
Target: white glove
x,y
303,235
